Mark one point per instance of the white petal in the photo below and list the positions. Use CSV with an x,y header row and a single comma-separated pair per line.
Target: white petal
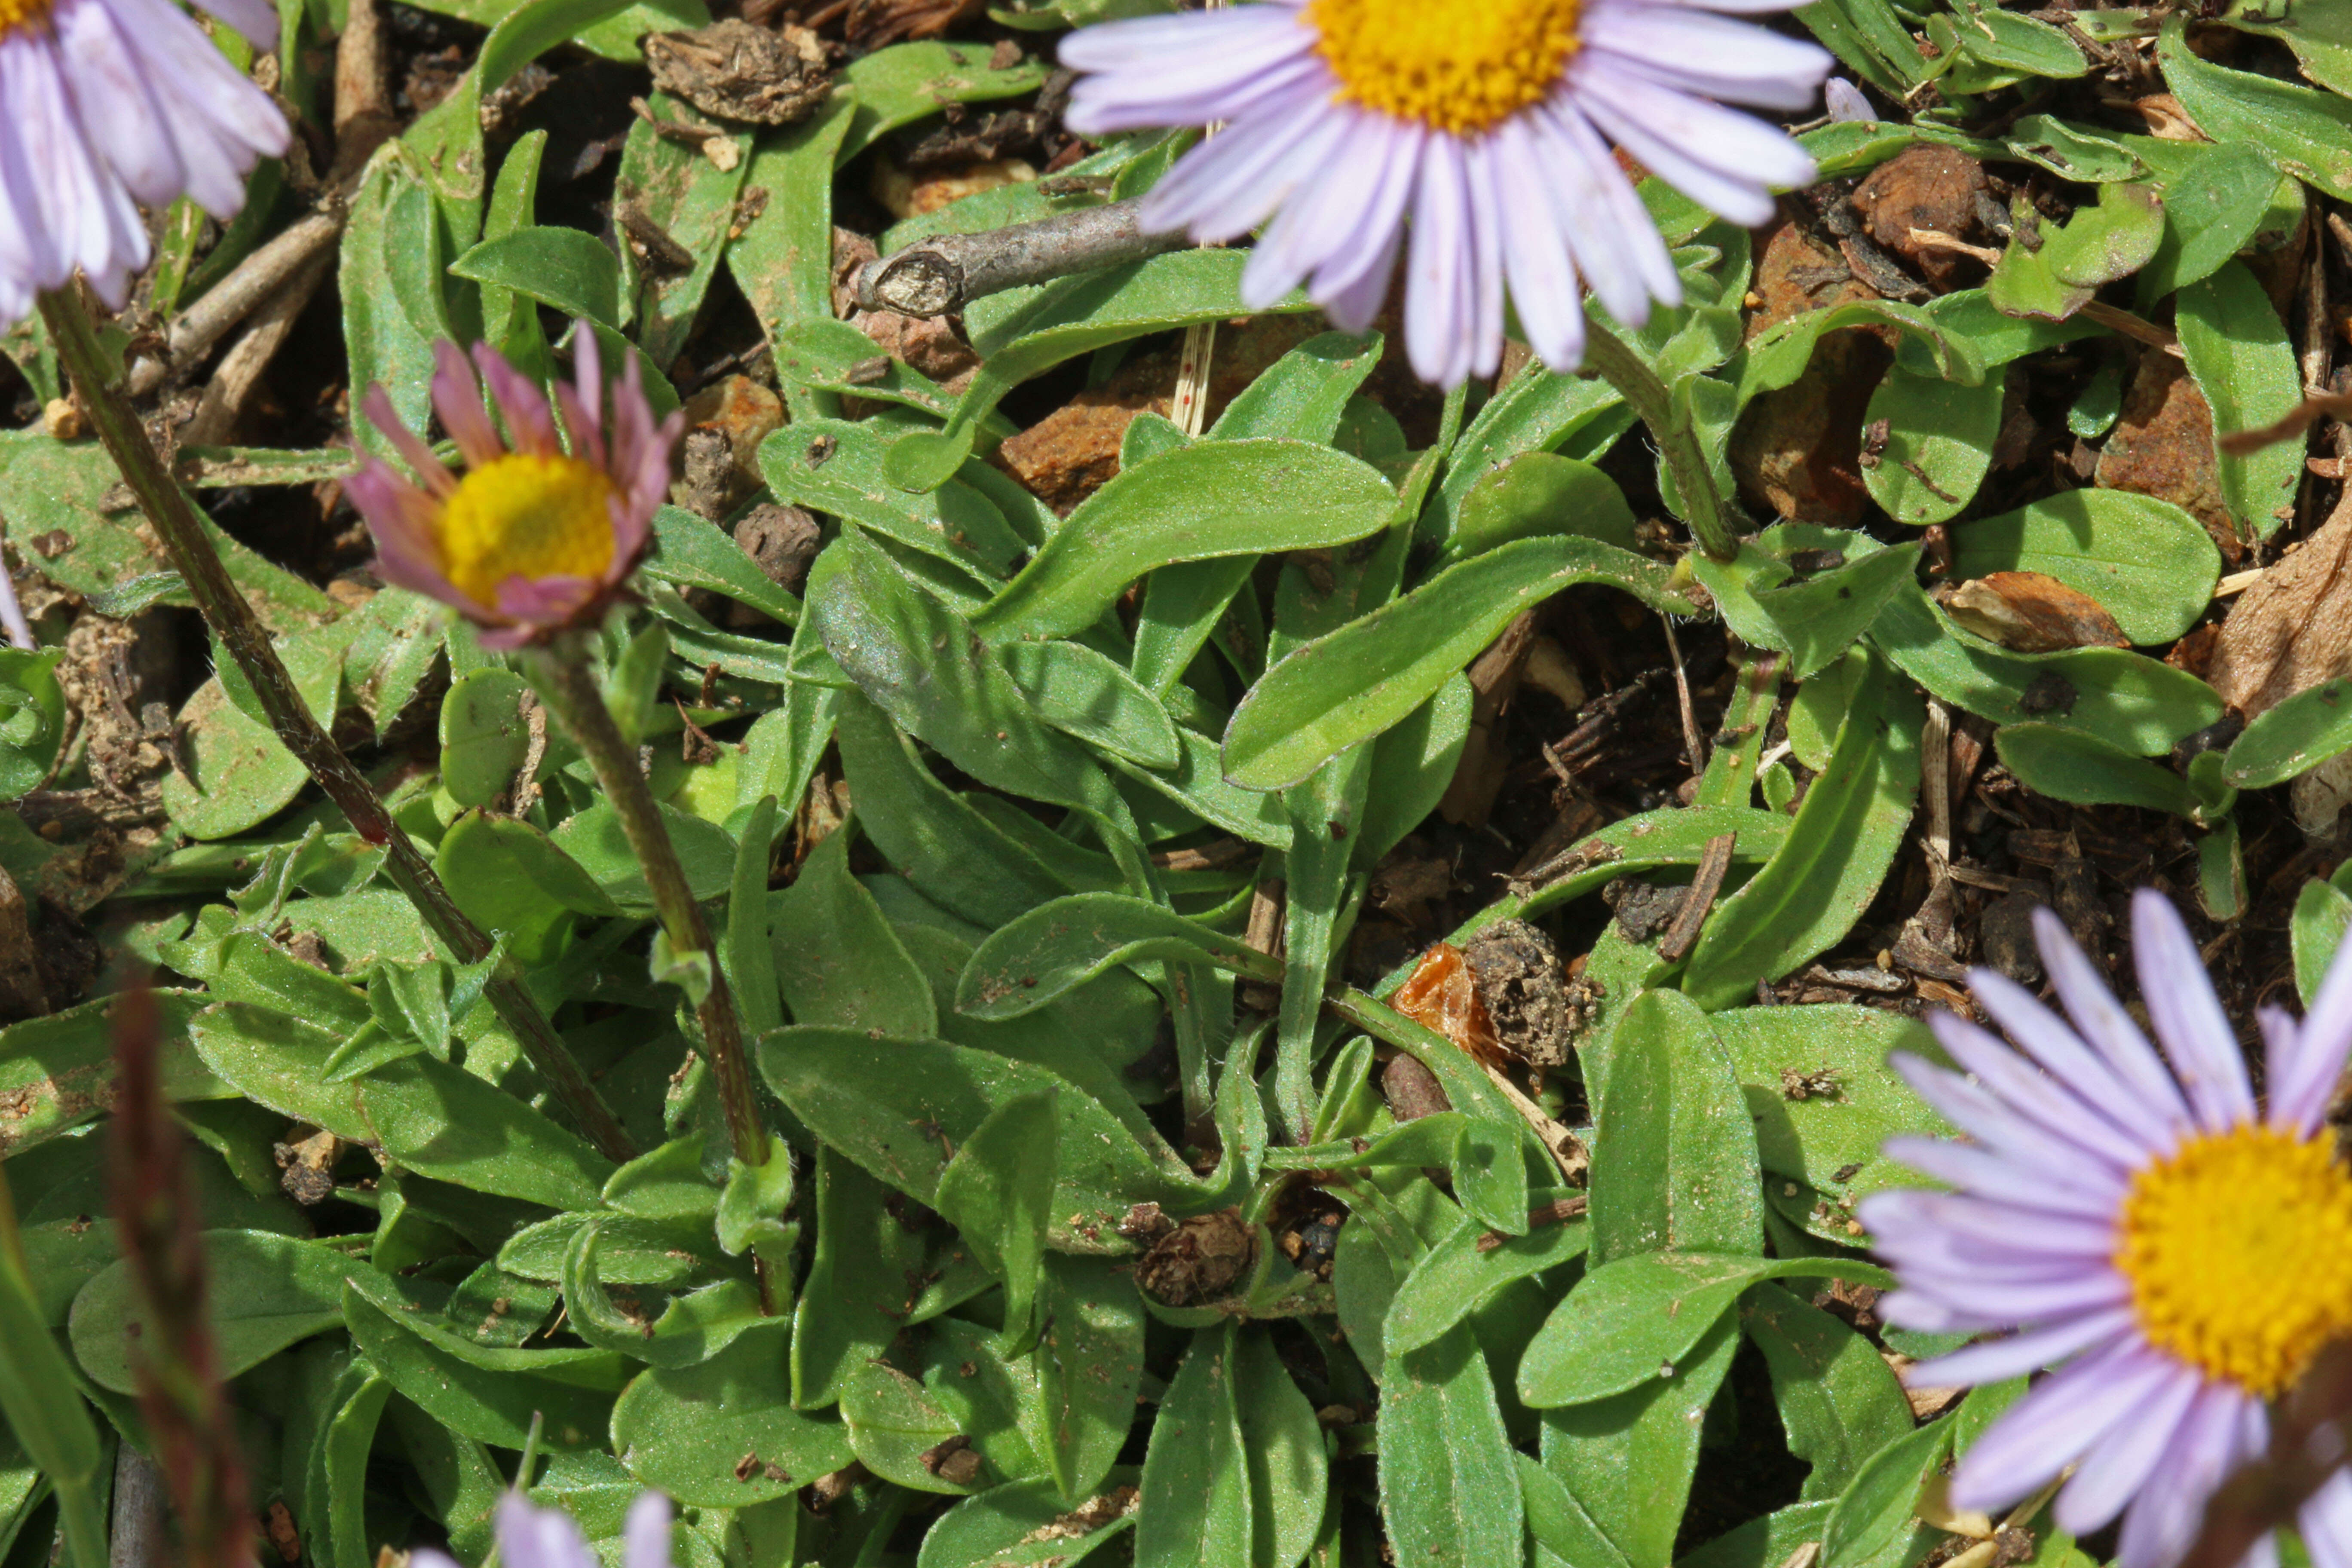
x,y
2187,1015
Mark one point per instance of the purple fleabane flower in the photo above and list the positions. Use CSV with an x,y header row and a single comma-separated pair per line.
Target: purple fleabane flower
x,y
1488,125
531,1536
2182,1251
113,104
534,539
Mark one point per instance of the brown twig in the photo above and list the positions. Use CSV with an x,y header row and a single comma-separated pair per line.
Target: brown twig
x,y
939,277
1714,862
240,370
255,281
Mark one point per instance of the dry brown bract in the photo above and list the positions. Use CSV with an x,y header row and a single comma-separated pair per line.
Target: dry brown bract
x,y
733,70
2032,613
2293,629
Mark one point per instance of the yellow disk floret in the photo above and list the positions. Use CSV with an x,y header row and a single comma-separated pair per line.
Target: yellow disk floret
x,y
15,15
2239,1250
1461,66
528,516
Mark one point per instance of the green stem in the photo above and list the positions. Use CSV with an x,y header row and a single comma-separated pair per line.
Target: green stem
x,y
1606,354
242,633
560,672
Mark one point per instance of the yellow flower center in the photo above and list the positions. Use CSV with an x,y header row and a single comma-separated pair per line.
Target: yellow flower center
x,y
1461,66
526,516
2239,1250
18,14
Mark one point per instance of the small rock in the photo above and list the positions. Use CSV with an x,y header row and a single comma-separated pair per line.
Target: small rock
x,y
2005,933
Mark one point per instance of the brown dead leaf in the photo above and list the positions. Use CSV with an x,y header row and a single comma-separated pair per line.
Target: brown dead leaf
x,y
2031,613
2163,446
1442,994
733,70
2293,629
1930,190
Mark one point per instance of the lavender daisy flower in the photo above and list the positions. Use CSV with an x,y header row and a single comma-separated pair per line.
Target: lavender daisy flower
x,y
533,539
112,104
532,1537
2181,1251
1488,125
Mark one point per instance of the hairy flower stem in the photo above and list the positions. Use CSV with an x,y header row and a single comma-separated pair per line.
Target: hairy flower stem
x,y
156,1219
1607,355
241,632
565,684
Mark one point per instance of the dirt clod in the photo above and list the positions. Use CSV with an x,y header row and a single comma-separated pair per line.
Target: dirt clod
x,y
1520,981
733,70
1199,1260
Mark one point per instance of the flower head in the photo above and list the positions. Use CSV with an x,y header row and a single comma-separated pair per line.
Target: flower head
x,y
2182,1251
1487,122
112,105
534,538
530,1537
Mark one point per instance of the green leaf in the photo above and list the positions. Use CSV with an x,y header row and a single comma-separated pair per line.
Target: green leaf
x,y
1053,950
490,1393
2148,562
893,1423
32,719
1830,1141
2308,132
1939,440
1464,1271
1090,1365
1449,1482
484,739
238,775
2322,915
752,1206
2210,213
1541,493
1874,1513
44,1410
2083,768
2292,738
957,857
1283,1446
277,1061
1818,619
1930,347
2238,351
2098,244
1024,1525
835,956
687,1430
1346,688
687,196
566,269
834,465
1196,1506
269,1291
855,1296
442,1122
996,1191
1845,836
2126,699
695,554
599,844
1674,1164
900,1107
911,81
1628,1460
513,880
1213,499
1071,317
1636,1318
1084,694
1839,1401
